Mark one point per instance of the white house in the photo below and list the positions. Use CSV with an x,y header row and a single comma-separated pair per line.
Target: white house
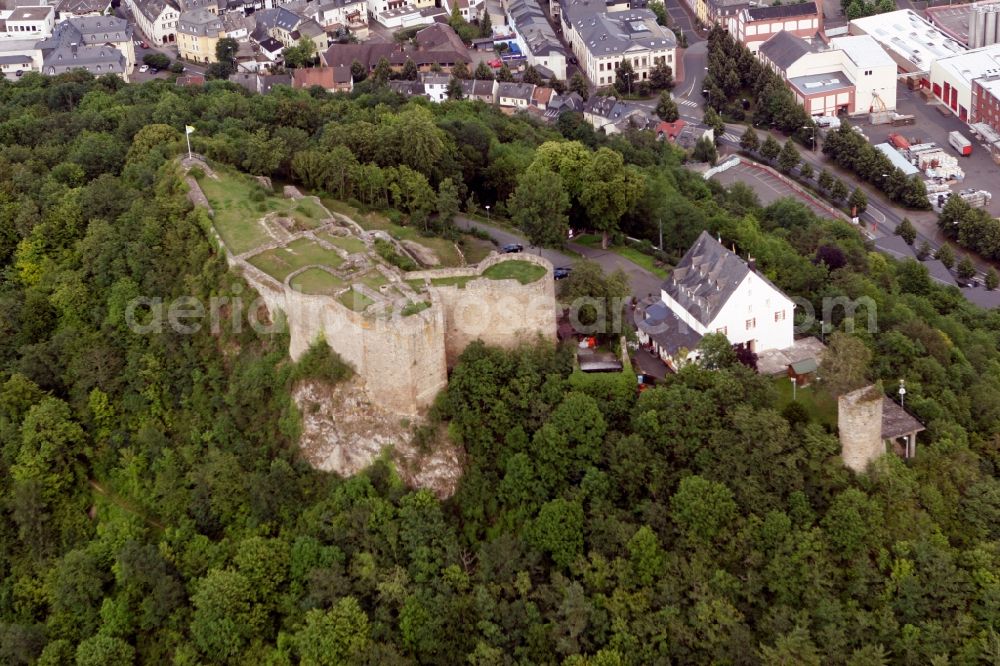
x,y
28,22
435,86
713,290
157,19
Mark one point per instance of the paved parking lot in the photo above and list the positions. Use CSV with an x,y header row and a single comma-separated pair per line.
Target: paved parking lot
x,y
980,170
768,188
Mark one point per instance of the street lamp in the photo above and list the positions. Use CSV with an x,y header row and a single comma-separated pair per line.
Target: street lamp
x,y
487,212
902,393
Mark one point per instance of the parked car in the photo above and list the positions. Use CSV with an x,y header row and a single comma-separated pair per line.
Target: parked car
x,y
153,70
512,247
144,69
561,272
144,45
19,72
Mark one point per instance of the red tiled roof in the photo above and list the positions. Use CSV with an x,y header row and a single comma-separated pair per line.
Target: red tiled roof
x,y
670,130
313,76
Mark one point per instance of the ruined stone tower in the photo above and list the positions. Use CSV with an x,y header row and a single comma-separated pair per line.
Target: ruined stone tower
x,y
859,419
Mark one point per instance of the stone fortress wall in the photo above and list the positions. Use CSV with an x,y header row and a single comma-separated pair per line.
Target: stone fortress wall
x,y
404,360
501,313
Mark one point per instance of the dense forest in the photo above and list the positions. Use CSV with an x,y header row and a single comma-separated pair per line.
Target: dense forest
x,y
155,509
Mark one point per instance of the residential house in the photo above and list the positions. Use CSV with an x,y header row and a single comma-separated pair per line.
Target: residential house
x,y
190,80
98,60
682,134
271,49
198,33
11,65
407,88
541,97
468,9
333,15
565,103
435,86
289,28
238,26
714,290
210,5
480,90
157,19
753,26
535,37
331,79
260,83
67,9
515,95
711,12
614,116
603,40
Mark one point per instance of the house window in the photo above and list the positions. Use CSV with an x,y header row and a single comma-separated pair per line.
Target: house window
x,y
779,316
724,330
751,324
868,72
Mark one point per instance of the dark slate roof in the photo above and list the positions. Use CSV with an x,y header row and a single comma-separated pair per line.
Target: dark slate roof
x,y
705,278
516,90
896,421
895,247
805,366
781,11
784,49
664,328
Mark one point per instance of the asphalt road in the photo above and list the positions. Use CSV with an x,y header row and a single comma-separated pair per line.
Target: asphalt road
x,y
642,281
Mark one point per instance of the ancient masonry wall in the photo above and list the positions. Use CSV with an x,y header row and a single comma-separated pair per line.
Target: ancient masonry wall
x,y
502,313
859,420
404,360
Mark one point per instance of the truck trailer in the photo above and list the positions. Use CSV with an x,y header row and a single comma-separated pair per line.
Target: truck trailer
x,y
961,145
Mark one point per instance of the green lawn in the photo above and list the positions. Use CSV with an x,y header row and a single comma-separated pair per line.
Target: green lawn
x,y
317,281
281,261
373,279
445,250
524,272
348,243
630,253
475,249
414,308
821,406
459,281
355,300
237,214
416,285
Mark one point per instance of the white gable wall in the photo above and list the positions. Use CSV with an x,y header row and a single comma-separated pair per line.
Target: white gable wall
x,y
749,316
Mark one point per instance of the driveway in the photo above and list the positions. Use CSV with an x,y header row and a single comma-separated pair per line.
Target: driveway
x,y
642,281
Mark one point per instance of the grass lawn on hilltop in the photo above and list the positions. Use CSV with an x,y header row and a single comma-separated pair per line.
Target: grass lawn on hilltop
x,y
524,272
445,250
281,261
373,279
458,281
349,244
822,408
317,282
237,215
630,253
475,249
355,300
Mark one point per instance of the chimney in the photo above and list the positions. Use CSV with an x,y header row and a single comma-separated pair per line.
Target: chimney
x,y
752,264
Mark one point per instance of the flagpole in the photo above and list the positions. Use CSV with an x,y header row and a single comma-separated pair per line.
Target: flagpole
x,y
187,135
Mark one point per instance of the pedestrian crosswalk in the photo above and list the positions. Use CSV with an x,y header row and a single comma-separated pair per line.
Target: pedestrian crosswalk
x,y
731,137
686,102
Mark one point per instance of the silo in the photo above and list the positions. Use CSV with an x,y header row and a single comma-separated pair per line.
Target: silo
x,y
975,23
990,34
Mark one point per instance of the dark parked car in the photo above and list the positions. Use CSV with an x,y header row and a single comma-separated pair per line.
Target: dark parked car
x,y
512,247
561,272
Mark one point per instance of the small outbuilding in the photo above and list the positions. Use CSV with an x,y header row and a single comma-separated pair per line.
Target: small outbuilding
x,y
803,372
